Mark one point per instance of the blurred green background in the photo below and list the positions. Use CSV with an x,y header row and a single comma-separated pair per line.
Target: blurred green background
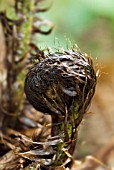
x,y
89,23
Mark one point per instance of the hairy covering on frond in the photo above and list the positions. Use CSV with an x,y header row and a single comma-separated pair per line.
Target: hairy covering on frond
x,y
62,84
61,81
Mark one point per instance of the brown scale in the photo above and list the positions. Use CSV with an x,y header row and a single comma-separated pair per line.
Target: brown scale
x,y
60,79
62,84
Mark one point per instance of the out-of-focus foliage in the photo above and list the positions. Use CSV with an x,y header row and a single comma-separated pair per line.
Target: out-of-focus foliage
x,y
87,22
6,5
